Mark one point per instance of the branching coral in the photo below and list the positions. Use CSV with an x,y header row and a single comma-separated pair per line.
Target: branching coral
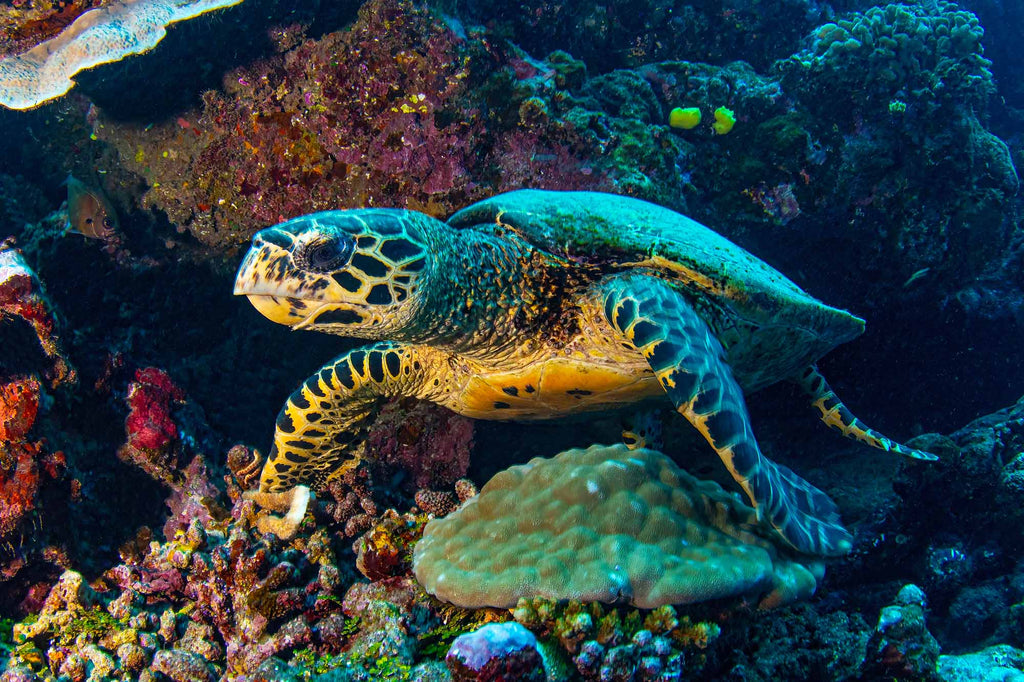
x,y
214,601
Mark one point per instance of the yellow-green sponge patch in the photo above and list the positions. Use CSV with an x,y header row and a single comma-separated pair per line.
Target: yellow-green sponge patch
x,y
684,118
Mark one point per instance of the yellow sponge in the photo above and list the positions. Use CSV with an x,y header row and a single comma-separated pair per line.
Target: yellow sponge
x,y
724,120
684,118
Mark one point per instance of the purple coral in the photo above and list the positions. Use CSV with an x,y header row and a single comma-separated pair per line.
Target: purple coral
x,y
427,442
497,652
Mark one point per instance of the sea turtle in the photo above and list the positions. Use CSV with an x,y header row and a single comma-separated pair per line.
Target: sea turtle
x,y
537,304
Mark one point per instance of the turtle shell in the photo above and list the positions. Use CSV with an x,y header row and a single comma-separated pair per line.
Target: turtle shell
x,y
769,326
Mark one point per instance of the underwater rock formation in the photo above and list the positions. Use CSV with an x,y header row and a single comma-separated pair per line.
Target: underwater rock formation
x,y
901,646
31,362
958,524
999,663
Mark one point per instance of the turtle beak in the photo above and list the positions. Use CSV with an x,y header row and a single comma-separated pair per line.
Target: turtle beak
x,y
261,278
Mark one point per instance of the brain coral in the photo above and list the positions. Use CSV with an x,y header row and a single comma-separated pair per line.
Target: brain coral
x,y
605,524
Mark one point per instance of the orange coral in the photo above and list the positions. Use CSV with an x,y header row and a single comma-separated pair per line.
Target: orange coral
x,y
19,403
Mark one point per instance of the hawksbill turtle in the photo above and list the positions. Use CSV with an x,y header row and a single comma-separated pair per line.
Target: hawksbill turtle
x,y
538,304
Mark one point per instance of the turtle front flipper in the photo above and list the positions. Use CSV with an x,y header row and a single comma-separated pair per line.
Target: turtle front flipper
x,y
837,416
690,365
321,429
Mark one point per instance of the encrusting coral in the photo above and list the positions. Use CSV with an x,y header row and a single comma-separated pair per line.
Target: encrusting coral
x,y
605,524
99,36
30,361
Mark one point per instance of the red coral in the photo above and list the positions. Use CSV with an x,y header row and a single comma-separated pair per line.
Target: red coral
x,y
18,487
21,295
19,403
152,434
23,463
150,396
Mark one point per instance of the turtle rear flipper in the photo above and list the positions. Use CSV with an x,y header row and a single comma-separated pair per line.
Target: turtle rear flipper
x,y
690,365
642,429
837,416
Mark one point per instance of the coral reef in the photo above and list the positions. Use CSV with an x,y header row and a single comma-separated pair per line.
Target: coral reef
x,y
606,643
497,651
803,642
106,34
32,360
429,444
922,56
215,600
624,34
901,646
344,121
893,102
655,535
22,300
152,434
875,162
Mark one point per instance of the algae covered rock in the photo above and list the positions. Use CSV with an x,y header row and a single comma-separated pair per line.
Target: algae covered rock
x,y
606,524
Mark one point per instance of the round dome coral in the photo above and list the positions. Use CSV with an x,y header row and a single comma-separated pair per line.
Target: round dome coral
x,y
606,524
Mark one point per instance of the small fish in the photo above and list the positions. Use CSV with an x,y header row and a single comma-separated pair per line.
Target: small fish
x,y
89,212
916,276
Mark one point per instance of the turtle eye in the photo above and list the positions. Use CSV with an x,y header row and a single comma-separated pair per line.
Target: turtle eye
x,y
324,255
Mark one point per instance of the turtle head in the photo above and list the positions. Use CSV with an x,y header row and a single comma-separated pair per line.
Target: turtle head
x,y
354,273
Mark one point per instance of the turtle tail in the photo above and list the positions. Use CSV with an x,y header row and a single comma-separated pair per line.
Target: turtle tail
x,y
836,415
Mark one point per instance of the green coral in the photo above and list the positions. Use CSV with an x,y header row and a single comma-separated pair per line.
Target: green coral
x,y
312,663
573,623
928,55
454,622
94,624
